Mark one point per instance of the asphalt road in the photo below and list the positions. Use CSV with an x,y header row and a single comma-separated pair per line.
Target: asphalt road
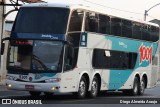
x,y
66,99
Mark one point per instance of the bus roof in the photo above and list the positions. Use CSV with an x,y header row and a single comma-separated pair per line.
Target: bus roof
x,y
88,6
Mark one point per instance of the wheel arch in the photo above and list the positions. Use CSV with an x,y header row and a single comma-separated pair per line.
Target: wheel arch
x,y
145,79
86,75
138,76
99,80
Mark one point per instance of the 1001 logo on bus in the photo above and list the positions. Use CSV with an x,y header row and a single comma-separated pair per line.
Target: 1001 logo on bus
x,y
145,53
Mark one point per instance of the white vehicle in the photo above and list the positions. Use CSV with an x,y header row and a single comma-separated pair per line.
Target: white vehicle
x,y
80,49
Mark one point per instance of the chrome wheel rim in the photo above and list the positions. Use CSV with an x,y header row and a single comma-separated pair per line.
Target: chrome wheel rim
x,y
142,86
82,88
94,87
135,88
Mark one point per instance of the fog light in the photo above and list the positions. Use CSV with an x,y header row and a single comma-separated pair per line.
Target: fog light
x,y
52,88
9,85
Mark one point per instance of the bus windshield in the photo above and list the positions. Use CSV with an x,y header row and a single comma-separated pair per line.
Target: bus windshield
x,y
35,55
44,20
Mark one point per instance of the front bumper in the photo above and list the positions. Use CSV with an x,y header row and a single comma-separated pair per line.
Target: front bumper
x,y
43,87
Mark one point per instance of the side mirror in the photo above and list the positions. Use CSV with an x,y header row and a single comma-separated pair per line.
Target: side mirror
x,y
2,48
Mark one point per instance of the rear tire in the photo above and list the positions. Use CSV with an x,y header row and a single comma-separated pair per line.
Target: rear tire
x,y
94,88
82,90
134,90
34,93
141,87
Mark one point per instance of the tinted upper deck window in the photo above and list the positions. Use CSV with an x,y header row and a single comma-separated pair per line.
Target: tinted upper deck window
x,y
41,20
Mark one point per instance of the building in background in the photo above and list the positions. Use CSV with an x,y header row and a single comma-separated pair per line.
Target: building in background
x,y
1,17
1,14
2,11
8,27
156,21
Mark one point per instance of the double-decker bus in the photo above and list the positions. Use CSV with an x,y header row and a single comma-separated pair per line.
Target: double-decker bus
x,y
59,47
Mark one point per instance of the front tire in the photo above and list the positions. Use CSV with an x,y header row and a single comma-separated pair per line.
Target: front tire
x,y
82,89
94,88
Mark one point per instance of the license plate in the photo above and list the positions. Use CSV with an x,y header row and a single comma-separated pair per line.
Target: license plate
x,y
29,87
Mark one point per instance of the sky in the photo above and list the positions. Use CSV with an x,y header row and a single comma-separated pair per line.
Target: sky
x,y
126,8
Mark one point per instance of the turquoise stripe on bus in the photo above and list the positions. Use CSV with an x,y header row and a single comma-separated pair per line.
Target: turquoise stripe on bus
x,y
119,77
129,45
39,76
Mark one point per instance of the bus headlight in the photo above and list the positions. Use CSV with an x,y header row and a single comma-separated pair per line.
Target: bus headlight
x,y
52,80
9,85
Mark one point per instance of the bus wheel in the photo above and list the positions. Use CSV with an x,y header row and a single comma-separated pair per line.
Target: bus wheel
x,y
141,87
134,90
94,88
34,93
82,88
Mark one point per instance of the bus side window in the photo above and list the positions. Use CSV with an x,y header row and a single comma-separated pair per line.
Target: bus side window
x,y
145,33
104,24
132,60
157,33
154,34
116,26
100,60
136,30
91,23
76,21
107,59
127,28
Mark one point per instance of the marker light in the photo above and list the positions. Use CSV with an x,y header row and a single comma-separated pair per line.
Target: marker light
x,y
52,88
